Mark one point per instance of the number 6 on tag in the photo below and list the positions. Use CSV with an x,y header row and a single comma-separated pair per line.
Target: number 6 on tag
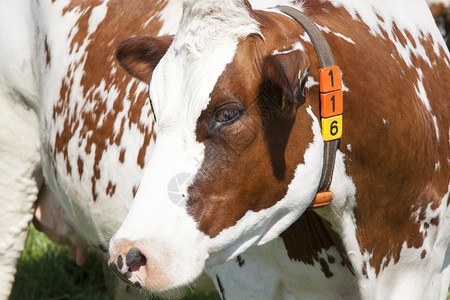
x,y
332,128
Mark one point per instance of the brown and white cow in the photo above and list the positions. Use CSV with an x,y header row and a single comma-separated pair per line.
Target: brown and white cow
x,y
239,151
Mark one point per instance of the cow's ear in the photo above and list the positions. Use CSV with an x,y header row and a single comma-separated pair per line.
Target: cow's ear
x,y
284,80
140,55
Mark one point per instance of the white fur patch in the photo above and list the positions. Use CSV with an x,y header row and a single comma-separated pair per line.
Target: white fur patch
x,y
295,46
340,35
310,82
170,17
267,270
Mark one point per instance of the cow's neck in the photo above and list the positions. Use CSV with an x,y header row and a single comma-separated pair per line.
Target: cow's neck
x,y
304,262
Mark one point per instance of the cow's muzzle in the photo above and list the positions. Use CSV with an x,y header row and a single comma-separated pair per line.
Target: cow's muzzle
x,y
130,262
125,268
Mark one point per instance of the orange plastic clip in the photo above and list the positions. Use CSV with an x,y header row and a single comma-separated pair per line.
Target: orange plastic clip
x,y
330,79
331,104
321,199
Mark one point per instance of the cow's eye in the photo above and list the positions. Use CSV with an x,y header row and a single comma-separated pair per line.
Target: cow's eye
x,y
226,116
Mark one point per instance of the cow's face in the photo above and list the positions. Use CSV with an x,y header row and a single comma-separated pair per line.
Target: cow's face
x,y
238,154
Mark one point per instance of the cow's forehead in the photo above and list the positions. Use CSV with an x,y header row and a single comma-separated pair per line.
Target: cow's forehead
x,y
180,88
202,48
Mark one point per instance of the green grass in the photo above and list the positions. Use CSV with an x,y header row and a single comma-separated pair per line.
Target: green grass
x,y
46,271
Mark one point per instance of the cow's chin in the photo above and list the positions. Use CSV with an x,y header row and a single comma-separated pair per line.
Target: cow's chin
x,y
155,267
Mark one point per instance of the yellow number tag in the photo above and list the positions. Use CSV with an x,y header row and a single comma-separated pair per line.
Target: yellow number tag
x,y
332,128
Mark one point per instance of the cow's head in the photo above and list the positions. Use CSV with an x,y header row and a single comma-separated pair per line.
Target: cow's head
x,y
238,154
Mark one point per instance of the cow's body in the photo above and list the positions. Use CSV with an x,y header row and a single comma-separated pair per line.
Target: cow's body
x,y
257,159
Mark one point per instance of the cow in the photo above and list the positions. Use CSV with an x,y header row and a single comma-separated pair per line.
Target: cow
x,y
239,154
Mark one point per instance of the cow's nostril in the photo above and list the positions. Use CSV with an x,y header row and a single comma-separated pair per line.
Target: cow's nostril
x,y
120,262
113,266
135,259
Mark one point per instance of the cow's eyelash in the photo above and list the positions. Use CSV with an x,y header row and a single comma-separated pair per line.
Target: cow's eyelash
x,y
225,116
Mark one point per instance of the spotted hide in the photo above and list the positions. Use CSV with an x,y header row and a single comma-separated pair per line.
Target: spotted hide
x,y
236,98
